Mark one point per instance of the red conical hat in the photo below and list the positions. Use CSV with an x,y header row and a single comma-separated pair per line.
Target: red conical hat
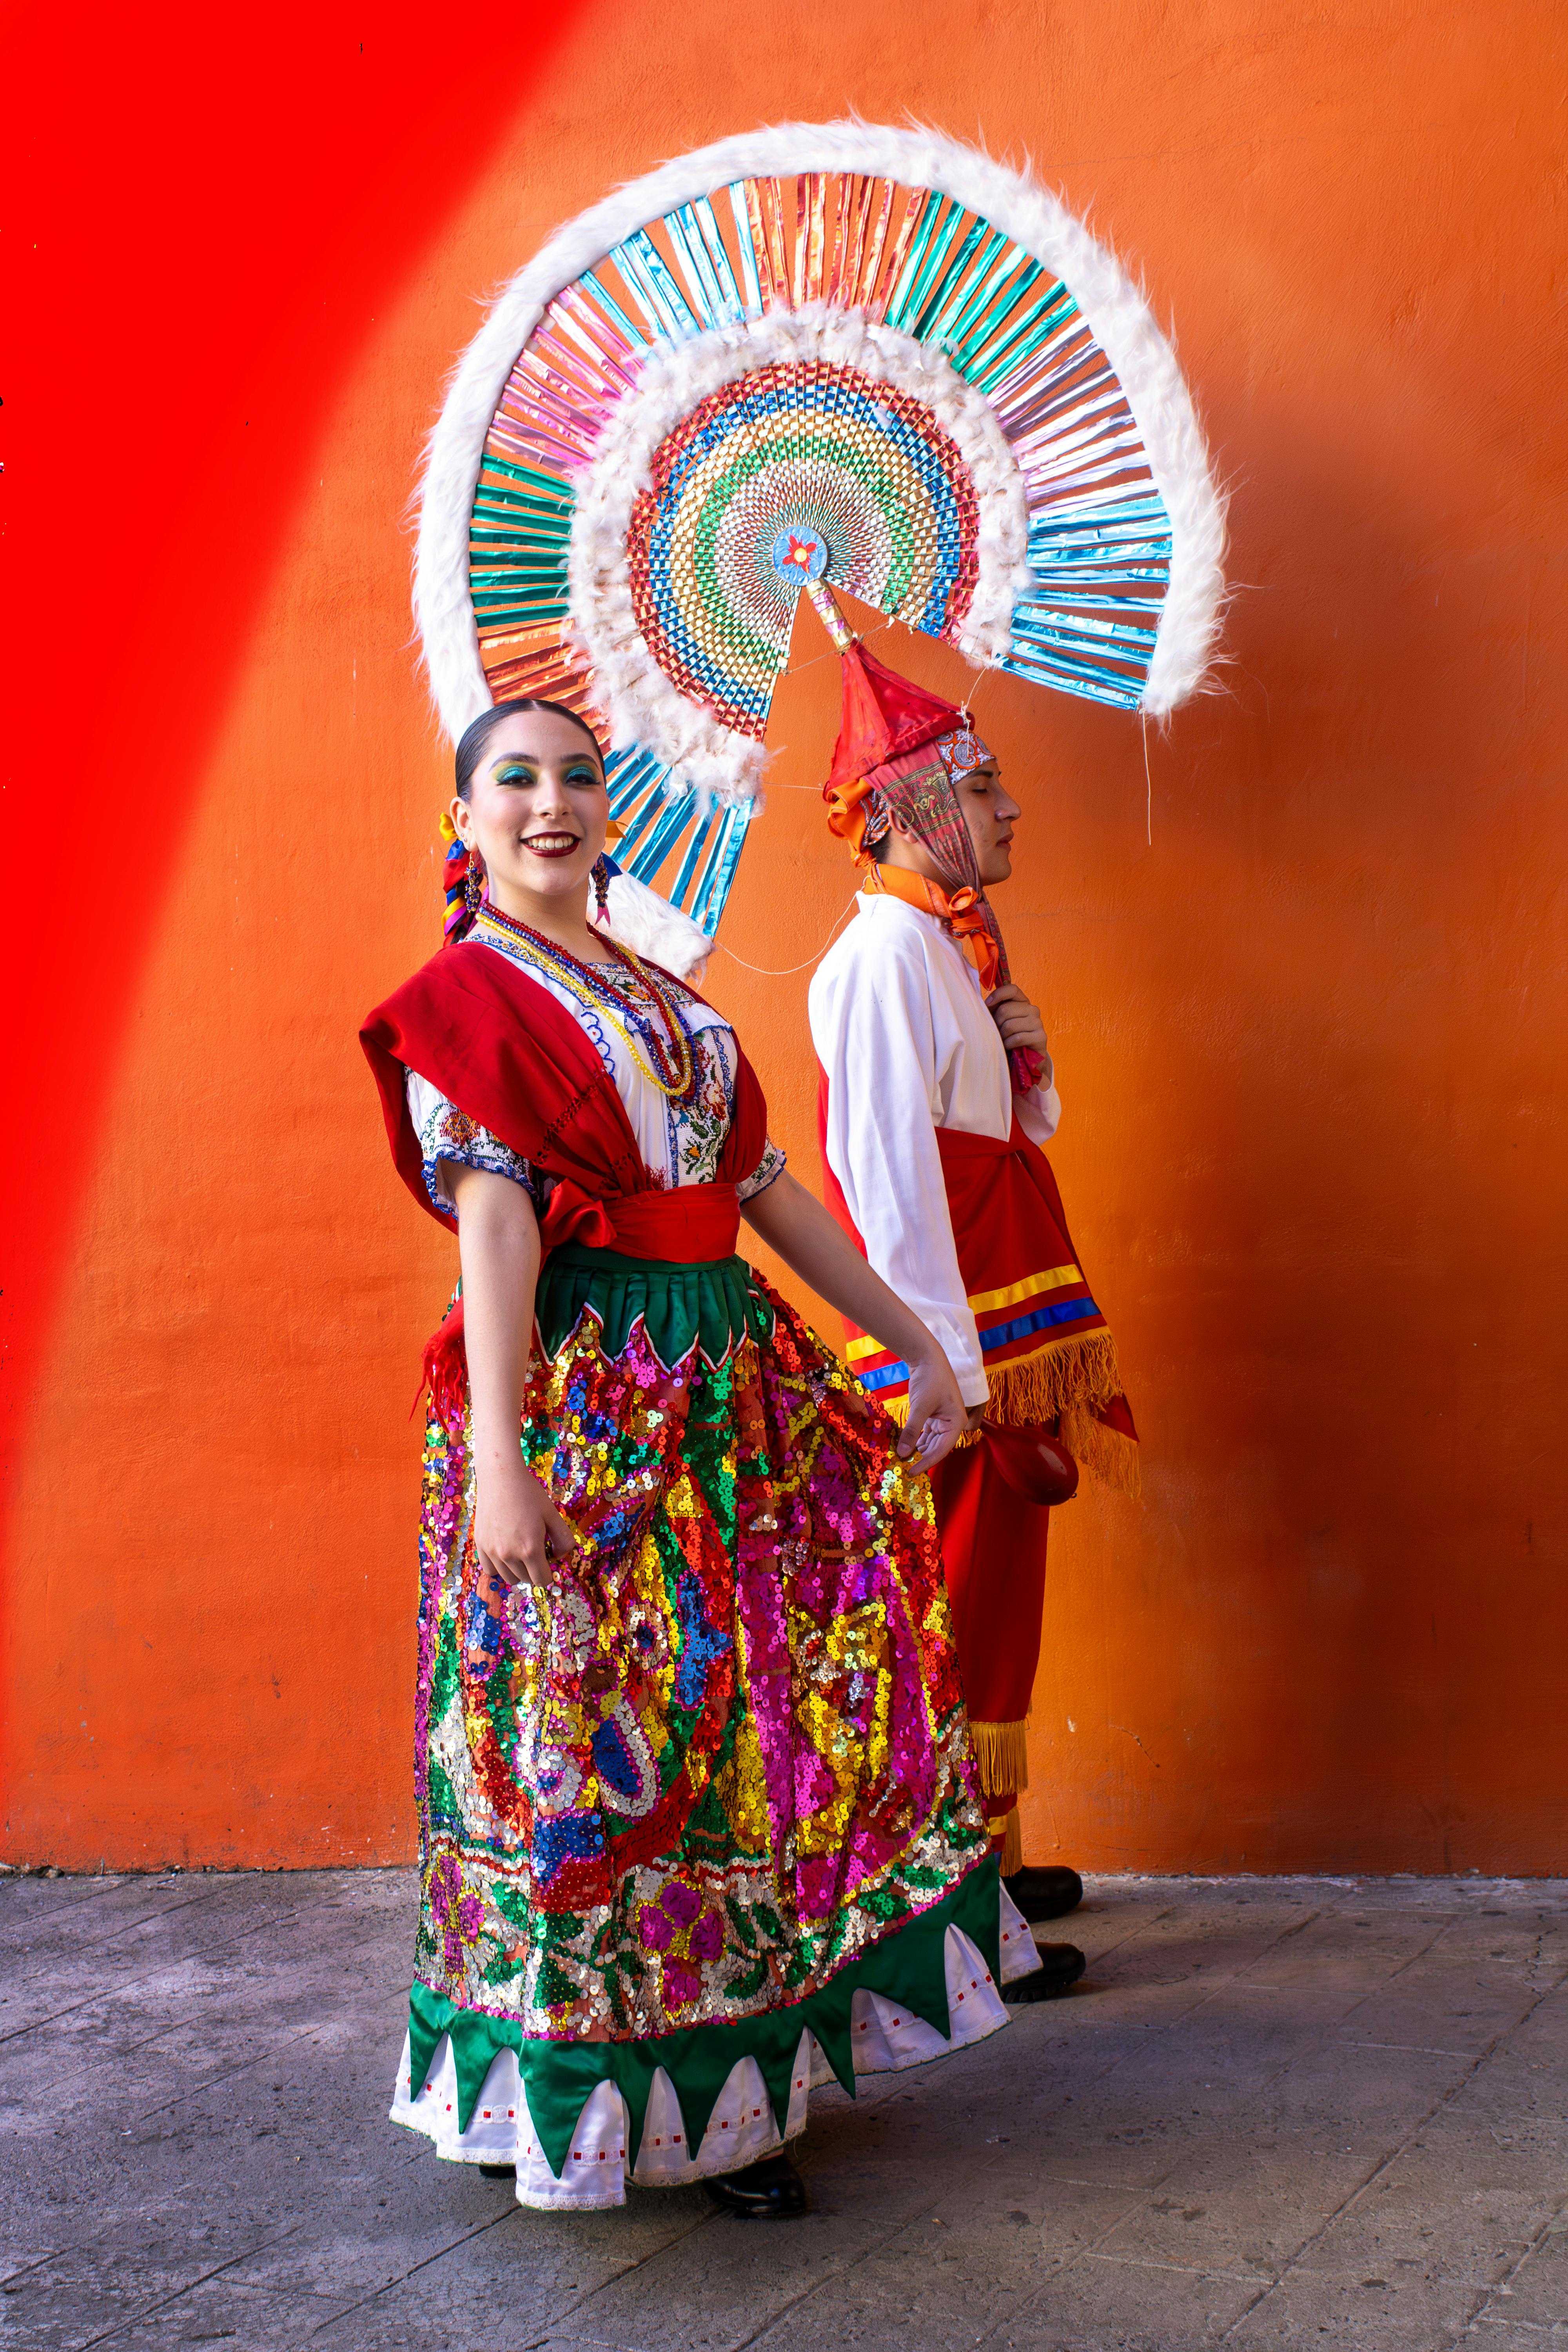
x,y
882,715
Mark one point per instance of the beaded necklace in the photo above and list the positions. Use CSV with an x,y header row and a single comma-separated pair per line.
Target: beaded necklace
x,y
665,1057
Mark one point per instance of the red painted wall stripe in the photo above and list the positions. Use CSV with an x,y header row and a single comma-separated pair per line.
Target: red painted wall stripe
x,y
201,219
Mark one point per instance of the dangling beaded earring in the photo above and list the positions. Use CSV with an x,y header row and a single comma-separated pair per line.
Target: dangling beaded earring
x,y
474,883
455,914
602,885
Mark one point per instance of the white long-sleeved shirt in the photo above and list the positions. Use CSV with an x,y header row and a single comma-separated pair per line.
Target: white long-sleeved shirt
x,y
903,1031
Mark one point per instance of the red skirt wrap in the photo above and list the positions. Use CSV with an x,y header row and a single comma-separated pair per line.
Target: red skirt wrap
x,y
1049,1360
994,1561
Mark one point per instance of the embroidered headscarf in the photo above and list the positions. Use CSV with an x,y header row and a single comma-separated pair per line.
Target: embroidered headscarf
x,y
919,789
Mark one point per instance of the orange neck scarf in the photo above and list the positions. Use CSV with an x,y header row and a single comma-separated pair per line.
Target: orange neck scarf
x,y
962,910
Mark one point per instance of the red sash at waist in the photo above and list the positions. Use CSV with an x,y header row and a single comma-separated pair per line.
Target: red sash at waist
x,y
694,1223
954,1144
1004,1207
688,1226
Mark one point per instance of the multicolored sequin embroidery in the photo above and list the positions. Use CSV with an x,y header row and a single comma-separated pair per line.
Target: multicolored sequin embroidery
x,y
730,1754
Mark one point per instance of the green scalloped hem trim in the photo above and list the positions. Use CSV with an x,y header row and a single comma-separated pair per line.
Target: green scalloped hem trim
x,y
908,1967
710,1304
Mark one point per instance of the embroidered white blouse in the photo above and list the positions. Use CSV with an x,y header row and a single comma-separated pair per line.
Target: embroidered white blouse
x,y
901,1027
679,1142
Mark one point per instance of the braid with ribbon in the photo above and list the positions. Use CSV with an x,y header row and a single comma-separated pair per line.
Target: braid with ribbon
x,y
462,879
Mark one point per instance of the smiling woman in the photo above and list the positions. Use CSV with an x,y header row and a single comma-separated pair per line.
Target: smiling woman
x,y
531,810
698,1813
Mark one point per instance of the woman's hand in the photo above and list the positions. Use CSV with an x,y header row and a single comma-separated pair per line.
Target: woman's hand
x,y
937,1415
518,1531
1019,1022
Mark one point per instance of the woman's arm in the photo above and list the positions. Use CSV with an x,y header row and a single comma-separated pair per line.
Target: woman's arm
x,y
518,1531
800,1229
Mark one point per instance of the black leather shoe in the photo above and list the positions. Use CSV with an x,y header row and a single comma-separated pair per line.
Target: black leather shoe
x,y
498,2172
1047,1894
1061,1965
769,2190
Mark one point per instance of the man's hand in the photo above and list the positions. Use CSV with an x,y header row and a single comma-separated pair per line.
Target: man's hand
x,y
1020,1024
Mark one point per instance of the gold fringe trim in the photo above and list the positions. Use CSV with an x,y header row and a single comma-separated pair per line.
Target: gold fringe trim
x,y
1001,1750
1063,1381
1070,1372
1109,1453
898,1408
1012,1837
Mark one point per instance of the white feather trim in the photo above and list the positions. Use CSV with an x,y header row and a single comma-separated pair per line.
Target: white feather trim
x,y
1114,310
640,702
652,927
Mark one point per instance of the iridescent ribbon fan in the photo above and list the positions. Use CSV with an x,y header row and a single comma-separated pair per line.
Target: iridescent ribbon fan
x,y
820,352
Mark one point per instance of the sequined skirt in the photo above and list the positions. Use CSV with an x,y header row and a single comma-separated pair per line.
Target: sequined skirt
x,y
719,1785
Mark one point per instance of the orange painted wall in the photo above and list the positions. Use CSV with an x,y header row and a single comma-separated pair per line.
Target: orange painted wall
x,y
1309,1038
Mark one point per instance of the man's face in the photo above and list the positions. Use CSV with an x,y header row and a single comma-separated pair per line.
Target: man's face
x,y
989,816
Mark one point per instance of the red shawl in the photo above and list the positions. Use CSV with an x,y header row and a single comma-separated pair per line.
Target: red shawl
x,y
513,1060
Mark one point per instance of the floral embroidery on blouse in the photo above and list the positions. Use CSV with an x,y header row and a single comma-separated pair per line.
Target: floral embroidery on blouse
x,y
770,1165
695,1131
698,1128
449,1133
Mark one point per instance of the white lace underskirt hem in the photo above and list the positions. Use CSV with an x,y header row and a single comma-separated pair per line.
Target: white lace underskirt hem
x,y
885,2039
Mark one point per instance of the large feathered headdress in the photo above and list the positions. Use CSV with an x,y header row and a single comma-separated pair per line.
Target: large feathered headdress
x,y
824,353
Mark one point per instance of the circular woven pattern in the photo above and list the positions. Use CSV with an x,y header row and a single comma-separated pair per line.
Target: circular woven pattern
x,y
827,352
791,470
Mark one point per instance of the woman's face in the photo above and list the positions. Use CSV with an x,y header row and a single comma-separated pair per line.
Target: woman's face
x,y
537,813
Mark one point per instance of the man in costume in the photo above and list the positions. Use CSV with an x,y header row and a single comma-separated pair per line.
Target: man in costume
x,y
937,1093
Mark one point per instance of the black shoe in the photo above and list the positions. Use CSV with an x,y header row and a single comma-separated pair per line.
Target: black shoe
x,y
768,2191
1061,1965
498,2172
1046,1894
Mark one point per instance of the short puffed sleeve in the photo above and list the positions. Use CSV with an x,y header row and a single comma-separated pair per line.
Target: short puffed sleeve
x,y
768,1167
449,1137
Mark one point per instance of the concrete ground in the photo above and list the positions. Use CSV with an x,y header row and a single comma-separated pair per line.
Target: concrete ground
x,y
1277,2111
